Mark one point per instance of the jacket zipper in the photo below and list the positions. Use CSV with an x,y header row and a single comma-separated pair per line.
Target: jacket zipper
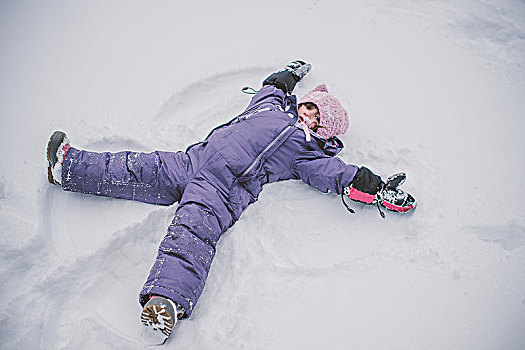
x,y
259,157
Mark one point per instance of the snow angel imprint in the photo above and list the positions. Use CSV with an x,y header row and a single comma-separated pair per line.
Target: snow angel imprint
x,y
276,138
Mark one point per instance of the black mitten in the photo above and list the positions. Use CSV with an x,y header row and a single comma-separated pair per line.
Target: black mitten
x,y
367,187
394,198
290,76
364,186
284,80
298,68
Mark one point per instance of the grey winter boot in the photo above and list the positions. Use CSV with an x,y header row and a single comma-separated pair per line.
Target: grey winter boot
x,y
158,318
57,148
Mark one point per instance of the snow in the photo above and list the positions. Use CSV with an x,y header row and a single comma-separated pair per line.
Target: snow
x,y
434,88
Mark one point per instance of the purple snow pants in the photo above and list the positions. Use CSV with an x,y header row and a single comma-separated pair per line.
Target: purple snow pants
x,y
196,179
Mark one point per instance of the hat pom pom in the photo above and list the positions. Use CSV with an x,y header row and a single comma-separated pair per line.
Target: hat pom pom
x,y
321,88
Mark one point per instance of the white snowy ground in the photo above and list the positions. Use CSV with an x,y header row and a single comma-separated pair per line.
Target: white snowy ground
x,y
434,88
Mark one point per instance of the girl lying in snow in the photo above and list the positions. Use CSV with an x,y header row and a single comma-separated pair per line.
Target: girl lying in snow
x,y
276,138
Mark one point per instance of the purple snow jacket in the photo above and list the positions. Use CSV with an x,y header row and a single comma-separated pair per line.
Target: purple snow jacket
x,y
213,181
263,145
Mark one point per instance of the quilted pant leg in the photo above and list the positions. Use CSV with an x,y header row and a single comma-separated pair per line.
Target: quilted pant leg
x,y
156,178
186,252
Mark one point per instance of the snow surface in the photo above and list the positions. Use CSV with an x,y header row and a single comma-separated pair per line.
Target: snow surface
x,y
434,88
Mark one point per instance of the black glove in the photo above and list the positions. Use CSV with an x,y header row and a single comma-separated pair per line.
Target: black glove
x,y
298,68
367,187
289,77
364,186
394,198
284,80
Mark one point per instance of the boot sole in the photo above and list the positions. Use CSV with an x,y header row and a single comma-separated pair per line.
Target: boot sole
x,y
150,318
55,139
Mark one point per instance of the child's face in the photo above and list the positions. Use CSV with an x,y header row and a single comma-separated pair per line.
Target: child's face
x,y
310,115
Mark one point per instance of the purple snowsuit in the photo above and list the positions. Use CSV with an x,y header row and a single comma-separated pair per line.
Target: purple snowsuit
x,y
213,181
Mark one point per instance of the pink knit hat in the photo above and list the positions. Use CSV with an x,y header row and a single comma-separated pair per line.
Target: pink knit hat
x,y
334,118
